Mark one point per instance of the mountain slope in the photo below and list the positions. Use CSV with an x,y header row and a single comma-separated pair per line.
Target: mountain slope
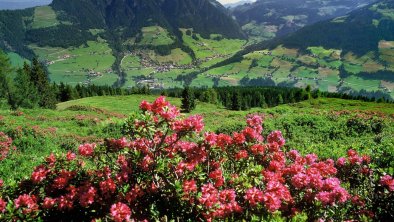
x,y
358,32
204,16
122,42
265,19
352,53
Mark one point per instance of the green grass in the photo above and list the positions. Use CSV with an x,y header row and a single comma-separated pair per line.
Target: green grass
x,y
204,48
16,60
155,35
44,16
177,56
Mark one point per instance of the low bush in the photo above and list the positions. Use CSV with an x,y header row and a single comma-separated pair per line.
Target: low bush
x,y
166,168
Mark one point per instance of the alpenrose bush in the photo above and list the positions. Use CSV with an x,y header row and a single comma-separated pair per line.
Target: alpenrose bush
x,y
167,168
5,145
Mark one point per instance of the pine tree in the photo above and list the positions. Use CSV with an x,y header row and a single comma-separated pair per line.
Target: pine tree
x,y
26,94
280,99
39,78
188,100
236,101
5,83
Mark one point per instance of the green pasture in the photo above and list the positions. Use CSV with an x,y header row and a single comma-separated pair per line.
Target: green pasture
x,y
16,60
155,35
44,16
72,65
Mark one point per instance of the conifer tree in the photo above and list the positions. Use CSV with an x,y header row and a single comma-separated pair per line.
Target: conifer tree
x,y
5,83
188,100
39,78
236,101
26,93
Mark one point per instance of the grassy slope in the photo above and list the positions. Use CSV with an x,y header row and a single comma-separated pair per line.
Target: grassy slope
x,y
306,126
44,17
318,67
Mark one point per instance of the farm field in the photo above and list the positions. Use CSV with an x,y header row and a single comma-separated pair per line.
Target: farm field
x,y
306,126
85,64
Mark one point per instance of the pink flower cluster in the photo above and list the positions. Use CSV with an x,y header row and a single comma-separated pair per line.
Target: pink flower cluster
x,y
5,145
87,149
218,204
388,182
120,212
161,107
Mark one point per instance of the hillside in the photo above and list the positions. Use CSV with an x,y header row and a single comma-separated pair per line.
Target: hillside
x,y
352,53
266,19
90,47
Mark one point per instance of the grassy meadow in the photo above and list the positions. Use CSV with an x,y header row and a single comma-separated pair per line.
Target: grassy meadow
x,y
327,127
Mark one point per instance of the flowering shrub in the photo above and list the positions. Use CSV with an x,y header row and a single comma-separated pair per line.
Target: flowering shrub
x,y
166,167
5,146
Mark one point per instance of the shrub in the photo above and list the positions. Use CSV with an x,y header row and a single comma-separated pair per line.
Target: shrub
x,y
167,168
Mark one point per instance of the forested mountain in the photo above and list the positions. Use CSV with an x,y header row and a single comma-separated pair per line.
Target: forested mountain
x,y
266,19
352,53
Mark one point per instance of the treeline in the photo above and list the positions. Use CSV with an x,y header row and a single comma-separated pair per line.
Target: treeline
x,y
244,98
59,36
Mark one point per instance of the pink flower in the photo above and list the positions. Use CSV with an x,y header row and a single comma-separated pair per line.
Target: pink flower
x,y
242,154
210,138
209,195
145,106
87,196
51,159
1,183
293,154
272,201
341,161
87,149
217,176
252,135
192,123
239,138
3,205
300,181
189,186
27,202
117,144
39,174
65,203
276,137
224,141
107,187
257,149
120,212
48,203
387,181
253,196
70,156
